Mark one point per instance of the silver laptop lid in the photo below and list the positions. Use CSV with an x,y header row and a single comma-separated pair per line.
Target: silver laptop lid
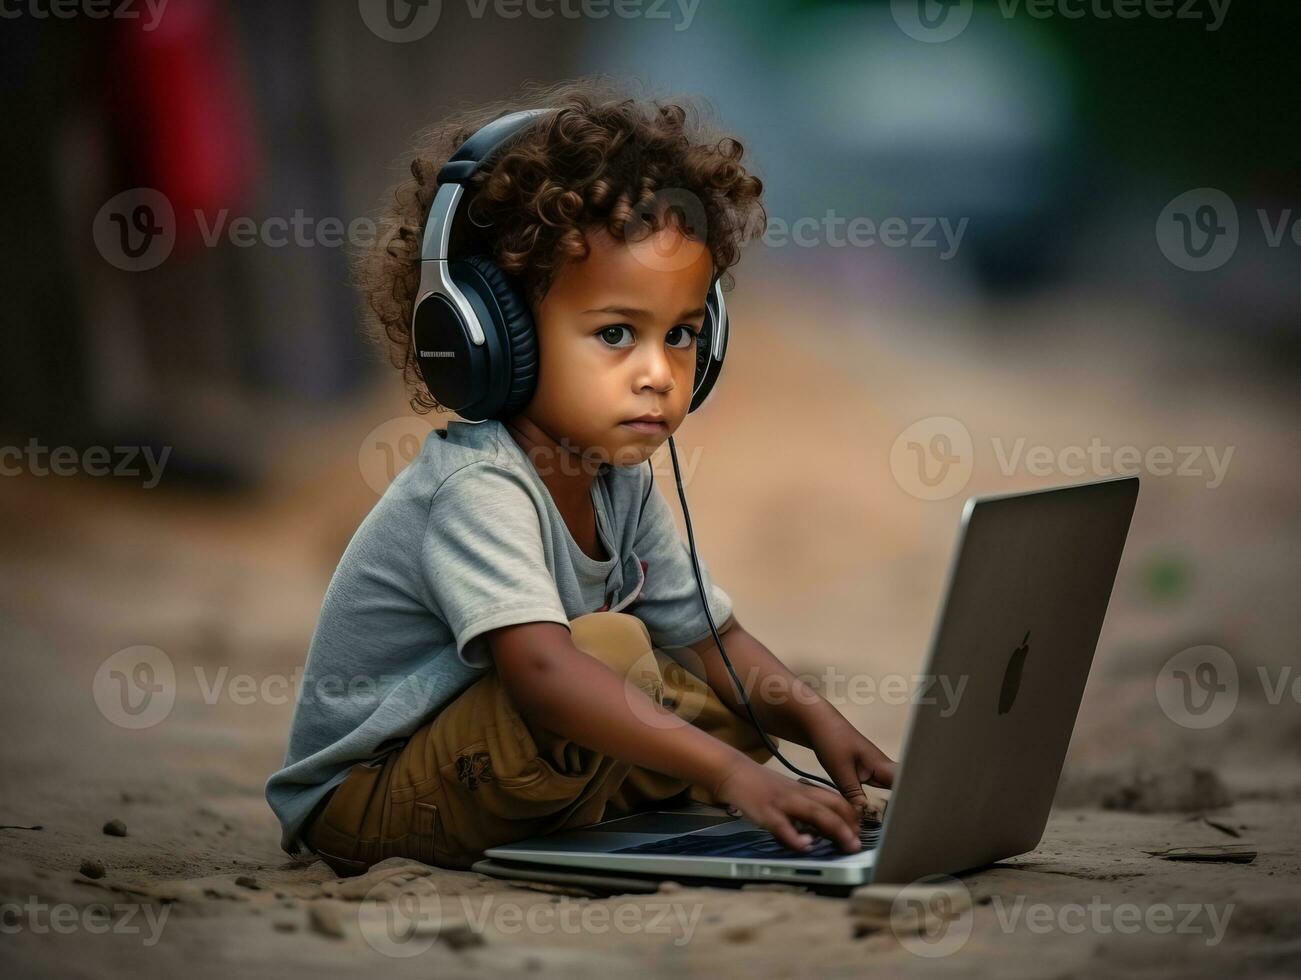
x,y
1025,600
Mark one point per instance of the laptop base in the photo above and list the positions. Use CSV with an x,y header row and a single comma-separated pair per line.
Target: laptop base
x,y
630,882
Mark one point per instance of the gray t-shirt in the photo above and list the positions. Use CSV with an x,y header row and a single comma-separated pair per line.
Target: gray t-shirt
x,y
468,539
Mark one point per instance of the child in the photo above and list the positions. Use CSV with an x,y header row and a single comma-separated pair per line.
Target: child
x,y
513,642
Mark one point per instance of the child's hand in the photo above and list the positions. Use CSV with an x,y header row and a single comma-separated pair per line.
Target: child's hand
x,y
851,760
775,802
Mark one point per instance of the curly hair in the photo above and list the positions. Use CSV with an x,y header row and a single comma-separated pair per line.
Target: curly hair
x,y
603,159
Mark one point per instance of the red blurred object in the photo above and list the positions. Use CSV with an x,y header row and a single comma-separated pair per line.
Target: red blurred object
x,y
182,112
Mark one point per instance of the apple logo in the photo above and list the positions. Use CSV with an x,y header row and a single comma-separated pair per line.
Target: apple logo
x,y
1012,677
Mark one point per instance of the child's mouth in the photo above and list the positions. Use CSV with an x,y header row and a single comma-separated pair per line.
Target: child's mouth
x,y
651,428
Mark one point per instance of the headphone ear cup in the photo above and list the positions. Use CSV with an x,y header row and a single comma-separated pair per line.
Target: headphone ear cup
x,y
707,368
512,322
703,344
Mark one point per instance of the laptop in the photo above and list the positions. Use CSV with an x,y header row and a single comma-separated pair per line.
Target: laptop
x,y
1027,591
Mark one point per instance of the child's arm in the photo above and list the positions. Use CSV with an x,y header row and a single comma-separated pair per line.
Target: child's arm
x,y
790,709
563,690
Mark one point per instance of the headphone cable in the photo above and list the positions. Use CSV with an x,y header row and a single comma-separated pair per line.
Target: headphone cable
x,y
700,584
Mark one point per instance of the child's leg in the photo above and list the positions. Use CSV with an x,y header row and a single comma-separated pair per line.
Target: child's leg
x,y
478,775
690,698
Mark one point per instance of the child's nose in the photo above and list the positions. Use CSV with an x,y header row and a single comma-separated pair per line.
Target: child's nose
x,y
655,371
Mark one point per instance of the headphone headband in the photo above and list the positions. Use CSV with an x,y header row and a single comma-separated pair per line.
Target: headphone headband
x,y
462,164
460,167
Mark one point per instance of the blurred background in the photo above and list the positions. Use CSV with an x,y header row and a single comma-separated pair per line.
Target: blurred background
x,y
1044,243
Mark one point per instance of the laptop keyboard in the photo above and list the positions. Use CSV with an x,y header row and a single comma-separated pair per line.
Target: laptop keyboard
x,y
751,844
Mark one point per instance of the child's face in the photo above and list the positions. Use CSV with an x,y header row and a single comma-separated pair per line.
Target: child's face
x,y
615,341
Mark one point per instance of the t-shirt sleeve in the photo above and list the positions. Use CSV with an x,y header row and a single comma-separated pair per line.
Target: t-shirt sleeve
x,y
669,603
483,561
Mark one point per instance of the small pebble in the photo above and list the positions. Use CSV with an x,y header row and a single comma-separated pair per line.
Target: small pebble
x,y
92,869
286,927
738,934
244,881
115,828
324,920
460,936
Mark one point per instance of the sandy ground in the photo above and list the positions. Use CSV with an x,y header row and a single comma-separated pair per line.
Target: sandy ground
x,y
228,588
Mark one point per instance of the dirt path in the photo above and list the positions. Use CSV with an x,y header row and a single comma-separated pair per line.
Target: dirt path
x,y
228,591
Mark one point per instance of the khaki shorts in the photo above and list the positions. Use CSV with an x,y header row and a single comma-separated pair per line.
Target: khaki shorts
x,y
477,775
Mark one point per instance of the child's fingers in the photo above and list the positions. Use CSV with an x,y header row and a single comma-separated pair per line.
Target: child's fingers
x,y
843,806
855,796
831,823
878,770
782,828
846,777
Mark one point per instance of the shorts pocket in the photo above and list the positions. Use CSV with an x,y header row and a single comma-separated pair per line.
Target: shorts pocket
x,y
506,775
335,834
345,813
414,827
425,825
537,791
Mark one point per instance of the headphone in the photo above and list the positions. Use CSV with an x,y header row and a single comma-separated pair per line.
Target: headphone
x,y
472,332
476,345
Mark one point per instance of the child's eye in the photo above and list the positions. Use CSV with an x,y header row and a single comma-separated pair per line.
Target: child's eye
x,y
680,337
605,332
687,336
